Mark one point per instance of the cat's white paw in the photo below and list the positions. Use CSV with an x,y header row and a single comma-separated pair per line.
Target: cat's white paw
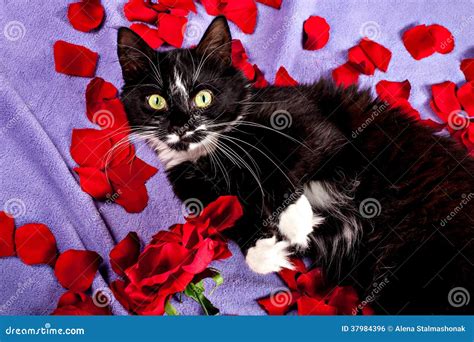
x,y
269,255
297,222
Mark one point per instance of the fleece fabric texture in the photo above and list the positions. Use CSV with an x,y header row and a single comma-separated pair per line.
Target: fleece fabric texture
x,y
39,108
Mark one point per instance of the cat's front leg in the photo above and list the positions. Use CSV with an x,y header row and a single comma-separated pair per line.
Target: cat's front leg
x,y
297,222
269,255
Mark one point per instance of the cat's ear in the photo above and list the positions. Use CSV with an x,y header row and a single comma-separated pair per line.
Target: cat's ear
x,y
134,54
217,41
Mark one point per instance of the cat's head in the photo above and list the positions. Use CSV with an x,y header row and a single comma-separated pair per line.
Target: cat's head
x,y
182,99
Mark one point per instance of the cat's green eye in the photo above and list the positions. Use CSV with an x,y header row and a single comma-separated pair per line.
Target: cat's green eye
x,y
203,99
156,102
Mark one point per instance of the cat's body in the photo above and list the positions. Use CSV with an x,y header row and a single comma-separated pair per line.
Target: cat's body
x,y
365,191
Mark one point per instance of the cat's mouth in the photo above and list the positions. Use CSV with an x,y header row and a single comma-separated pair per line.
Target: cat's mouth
x,y
186,140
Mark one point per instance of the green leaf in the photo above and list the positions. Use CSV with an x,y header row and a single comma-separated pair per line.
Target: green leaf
x,y
170,309
210,273
196,292
219,280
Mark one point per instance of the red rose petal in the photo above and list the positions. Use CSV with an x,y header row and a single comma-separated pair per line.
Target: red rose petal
x,y
289,276
467,67
7,235
393,91
310,306
345,75
444,40
125,253
377,53
272,3
94,182
213,7
118,289
104,108
243,13
278,303
283,78
240,60
419,42
187,5
171,28
150,35
203,257
310,283
35,244
74,60
89,147
444,97
132,199
466,97
360,61
79,304
345,299
259,81
98,91
367,311
85,15
315,33
139,10
422,41
222,213
76,269
131,172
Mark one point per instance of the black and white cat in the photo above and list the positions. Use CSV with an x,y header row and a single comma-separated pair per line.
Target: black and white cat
x,y
371,195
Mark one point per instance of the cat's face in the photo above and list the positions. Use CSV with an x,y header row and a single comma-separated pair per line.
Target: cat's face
x,y
181,100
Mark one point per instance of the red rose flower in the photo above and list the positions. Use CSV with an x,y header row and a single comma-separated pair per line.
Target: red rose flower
x,y
173,258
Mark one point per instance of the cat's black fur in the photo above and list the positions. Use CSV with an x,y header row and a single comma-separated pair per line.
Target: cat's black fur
x,y
356,145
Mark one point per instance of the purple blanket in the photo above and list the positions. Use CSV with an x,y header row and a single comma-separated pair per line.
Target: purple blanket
x,y
39,108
